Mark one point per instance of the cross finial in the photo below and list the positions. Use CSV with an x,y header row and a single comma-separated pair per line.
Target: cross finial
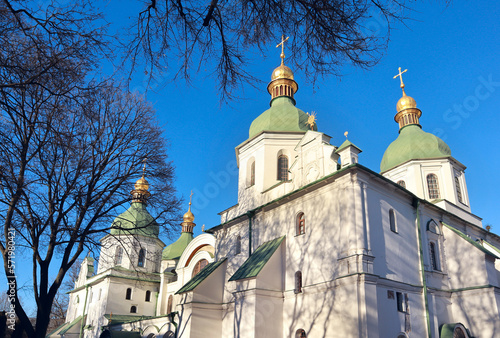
x,y
401,78
345,134
144,167
190,198
282,44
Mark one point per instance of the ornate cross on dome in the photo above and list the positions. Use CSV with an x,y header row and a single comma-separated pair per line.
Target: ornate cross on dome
x,y
401,78
190,198
144,167
282,44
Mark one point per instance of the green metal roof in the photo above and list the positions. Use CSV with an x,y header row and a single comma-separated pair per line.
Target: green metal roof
x,y
412,144
61,330
281,116
254,264
136,220
470,240
120,319
200,276
175,250
346,144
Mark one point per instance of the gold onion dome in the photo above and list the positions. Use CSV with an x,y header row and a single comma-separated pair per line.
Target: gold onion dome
x,y
188,216
406,102
141,184
282,72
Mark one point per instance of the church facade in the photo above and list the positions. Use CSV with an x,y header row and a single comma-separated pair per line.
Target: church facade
x,y
318,245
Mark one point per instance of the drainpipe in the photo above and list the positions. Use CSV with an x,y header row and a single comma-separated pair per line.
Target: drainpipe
x,y
171,316
84,306
250,214
422,270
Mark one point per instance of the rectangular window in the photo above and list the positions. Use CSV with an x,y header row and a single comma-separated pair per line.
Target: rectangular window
x,y
401,301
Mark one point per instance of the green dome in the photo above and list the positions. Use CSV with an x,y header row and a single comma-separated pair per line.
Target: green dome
x,y
136,220
175,250
282,116
412,144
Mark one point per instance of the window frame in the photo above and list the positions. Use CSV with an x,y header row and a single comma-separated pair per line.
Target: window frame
x,y
118,255
300,221
141,259
298,282
458,188
393,225
128,294
282,174
300,333
252,173
198,267
433,186
237,249
400,302
170,303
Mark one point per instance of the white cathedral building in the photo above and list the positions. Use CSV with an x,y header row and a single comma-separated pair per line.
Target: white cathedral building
x,y
317,246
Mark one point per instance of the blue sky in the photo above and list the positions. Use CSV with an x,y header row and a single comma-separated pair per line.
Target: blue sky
x,y
452,56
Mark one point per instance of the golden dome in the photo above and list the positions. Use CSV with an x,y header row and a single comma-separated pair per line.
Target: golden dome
x,y
188,216
141,184
282,72
406,102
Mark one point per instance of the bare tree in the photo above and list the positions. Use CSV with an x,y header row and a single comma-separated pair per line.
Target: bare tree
x,y
67,164
70,147
218,35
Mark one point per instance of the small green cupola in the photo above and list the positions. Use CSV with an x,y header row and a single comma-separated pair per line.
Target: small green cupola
x,y
282,115
137,220
175,250
412,143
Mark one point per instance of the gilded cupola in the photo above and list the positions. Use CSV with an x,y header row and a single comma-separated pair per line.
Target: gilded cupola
x,y
282,82
141,186
407,111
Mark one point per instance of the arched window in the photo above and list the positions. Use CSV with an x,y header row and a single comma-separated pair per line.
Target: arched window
x,y
169,334
392,220
200,265
133,309
298,282
238,245
169,304
100,294
434,256
433,227
118,255
301,224
77,300
459,190
142,258
151,335
433,186
282,168
252,173
148,296
128,294
458,333
402,183
300,334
